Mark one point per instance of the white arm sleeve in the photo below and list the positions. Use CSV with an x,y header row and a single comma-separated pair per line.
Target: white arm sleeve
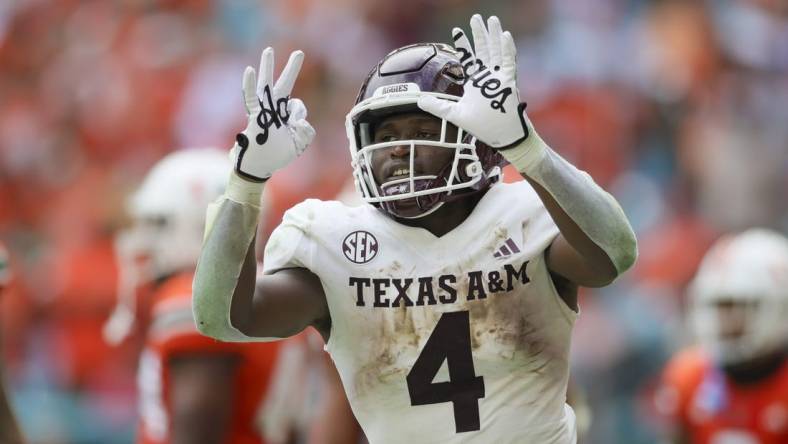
x,y
231,223
593,209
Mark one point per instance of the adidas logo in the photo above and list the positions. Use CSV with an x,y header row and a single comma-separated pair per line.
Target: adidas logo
x,y
506,250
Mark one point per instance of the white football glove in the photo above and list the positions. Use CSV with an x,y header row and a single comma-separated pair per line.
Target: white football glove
x,y
490,108
277,131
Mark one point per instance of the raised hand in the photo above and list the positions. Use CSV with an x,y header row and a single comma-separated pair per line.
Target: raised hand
x,y
277,131
490,107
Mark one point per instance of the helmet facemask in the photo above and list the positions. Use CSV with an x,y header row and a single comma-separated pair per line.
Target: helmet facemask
x,y
394,87
417,194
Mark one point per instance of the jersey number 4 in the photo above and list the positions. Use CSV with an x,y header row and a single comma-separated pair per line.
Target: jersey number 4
x,y
450,341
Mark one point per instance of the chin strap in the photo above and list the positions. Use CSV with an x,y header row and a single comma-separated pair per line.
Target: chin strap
x,y
593,209
231,223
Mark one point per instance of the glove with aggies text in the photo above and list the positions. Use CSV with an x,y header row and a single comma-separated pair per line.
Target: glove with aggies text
x,y
490,107
277,131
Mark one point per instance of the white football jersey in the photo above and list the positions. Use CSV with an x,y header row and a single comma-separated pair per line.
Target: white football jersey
x,y
454,339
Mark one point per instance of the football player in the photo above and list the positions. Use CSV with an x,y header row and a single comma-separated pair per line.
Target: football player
x,y
447,303
733,386
191,388
9,429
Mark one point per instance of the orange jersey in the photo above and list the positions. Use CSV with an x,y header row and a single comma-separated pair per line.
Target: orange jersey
x,y
710,408
172,332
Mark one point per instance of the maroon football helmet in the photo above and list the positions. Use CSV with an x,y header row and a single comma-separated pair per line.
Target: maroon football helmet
x,y
393,87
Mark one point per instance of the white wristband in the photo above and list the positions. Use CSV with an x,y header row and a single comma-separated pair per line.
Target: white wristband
x,y
244,191
528,154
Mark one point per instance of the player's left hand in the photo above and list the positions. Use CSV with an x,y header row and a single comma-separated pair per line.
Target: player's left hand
x,y
490,108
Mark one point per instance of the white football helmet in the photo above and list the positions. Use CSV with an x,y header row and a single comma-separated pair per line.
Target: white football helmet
x,y
168,209
747,272
168,213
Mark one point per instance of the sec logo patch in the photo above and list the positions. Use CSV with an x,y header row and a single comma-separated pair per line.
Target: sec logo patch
x,y
360,247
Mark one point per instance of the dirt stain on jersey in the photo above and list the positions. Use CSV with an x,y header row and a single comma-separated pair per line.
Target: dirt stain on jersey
x,y
367,376
404,325
523,336
506,324
398,335
395,267
500,234
372,374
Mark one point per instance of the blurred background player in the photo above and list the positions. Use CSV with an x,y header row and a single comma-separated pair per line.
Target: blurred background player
x,y
192,389
733,387
9,429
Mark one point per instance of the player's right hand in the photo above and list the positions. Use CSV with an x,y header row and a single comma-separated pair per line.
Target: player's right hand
x,y
277,131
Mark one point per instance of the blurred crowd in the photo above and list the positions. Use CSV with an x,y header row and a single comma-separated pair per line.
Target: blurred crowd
x,y
676,107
